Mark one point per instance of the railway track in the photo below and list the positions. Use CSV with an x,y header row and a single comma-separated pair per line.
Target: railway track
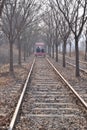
x,y
49,102
79,84
71,61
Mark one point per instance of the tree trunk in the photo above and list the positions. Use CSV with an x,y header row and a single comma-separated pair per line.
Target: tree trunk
x,y
70,50
53,51
77,57
2,6
11,69
64,53
28,50
49,50
59,49
19,51
56,40
24,52
56,52
86,50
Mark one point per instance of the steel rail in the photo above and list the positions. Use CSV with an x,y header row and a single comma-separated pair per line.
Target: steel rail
x,y
83,70
70,87
83,62
11,126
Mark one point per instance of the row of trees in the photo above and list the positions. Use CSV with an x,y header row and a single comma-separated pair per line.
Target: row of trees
x,y
65,19
18,21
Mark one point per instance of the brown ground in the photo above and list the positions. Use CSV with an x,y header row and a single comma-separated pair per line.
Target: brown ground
x,y
10,88
19,74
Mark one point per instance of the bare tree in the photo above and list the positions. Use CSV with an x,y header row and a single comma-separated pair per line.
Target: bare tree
x,y
64,34
56,29
70,45
48,24
86,45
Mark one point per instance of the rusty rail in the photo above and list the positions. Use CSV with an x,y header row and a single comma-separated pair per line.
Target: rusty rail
x,y
11,126
70,87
